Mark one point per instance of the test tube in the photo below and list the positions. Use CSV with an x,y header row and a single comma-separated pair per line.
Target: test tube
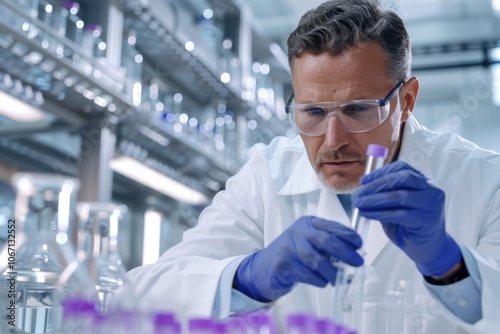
x,y
376,156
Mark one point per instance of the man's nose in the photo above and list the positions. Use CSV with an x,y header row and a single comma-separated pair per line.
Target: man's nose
x,y
335,134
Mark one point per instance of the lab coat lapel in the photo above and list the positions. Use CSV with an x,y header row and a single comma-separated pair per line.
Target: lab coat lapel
x,y
375,242
329,207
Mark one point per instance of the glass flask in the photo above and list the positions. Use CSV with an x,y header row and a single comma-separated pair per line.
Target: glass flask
x,y
42,249
98,248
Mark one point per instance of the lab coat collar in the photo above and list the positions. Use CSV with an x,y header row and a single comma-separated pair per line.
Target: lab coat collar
x,y
417,147
303,178
411,127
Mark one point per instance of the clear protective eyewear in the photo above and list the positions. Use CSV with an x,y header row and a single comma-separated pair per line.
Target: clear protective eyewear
x,y
356,116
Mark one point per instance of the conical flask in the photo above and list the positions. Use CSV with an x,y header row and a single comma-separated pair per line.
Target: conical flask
x,y
98,244
42,249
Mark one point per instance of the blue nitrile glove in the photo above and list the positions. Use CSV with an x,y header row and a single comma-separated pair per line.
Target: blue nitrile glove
x,y
411,211
301,253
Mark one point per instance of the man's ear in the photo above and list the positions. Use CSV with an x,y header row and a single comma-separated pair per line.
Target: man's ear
x,y
409,97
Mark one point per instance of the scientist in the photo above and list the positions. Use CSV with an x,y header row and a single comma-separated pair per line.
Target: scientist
x,y
266,240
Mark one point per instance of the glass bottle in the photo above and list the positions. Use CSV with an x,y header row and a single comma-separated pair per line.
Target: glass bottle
x,y
71,27
59,23
89,42
132,64
30,7
43,214
210,32
98,248
18,22
45,11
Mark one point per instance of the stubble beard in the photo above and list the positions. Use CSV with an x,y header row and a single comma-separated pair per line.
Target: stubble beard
x,y
346,187
340,187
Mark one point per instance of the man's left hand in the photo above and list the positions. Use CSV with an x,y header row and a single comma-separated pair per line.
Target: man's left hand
x,y
411,211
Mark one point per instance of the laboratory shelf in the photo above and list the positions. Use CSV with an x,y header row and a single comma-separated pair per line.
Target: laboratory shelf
x,y
58,77
30,155
160,41
197,160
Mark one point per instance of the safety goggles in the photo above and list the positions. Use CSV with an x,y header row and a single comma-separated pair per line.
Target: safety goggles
x,y
311,119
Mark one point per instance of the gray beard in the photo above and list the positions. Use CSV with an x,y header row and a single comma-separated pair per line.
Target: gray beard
x,y
347,188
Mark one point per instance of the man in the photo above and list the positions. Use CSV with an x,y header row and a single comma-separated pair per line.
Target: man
x,y
268,240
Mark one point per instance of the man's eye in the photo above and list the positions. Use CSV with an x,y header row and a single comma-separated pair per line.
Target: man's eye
x,y
354,109
314,111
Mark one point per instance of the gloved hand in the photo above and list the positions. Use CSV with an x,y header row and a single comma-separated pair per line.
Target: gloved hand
x,y
411,211
300,254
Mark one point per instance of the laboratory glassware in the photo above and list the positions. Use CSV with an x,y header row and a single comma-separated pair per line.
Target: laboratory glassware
x,y
89,41
30,7
131,62
43,214
71,27
96,272
17,15
349,282
376,155
45,13
62,20
98,248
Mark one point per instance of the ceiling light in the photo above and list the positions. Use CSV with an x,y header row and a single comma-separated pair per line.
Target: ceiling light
x,y
151,239
18,110
496,5
155,180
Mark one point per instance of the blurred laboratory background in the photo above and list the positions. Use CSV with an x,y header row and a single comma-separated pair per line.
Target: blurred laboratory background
x,y
154,104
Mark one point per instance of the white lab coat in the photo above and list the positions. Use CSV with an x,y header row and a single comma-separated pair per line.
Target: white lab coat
x,y
278,185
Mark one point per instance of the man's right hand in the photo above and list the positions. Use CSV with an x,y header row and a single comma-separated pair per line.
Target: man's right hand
x,y
302,253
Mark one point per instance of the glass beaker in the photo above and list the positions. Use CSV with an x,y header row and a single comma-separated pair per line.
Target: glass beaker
x,y
382,314
42,249
349,294
98,247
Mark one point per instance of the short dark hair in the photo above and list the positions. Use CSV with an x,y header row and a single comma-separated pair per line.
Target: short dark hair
x,y
338,25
